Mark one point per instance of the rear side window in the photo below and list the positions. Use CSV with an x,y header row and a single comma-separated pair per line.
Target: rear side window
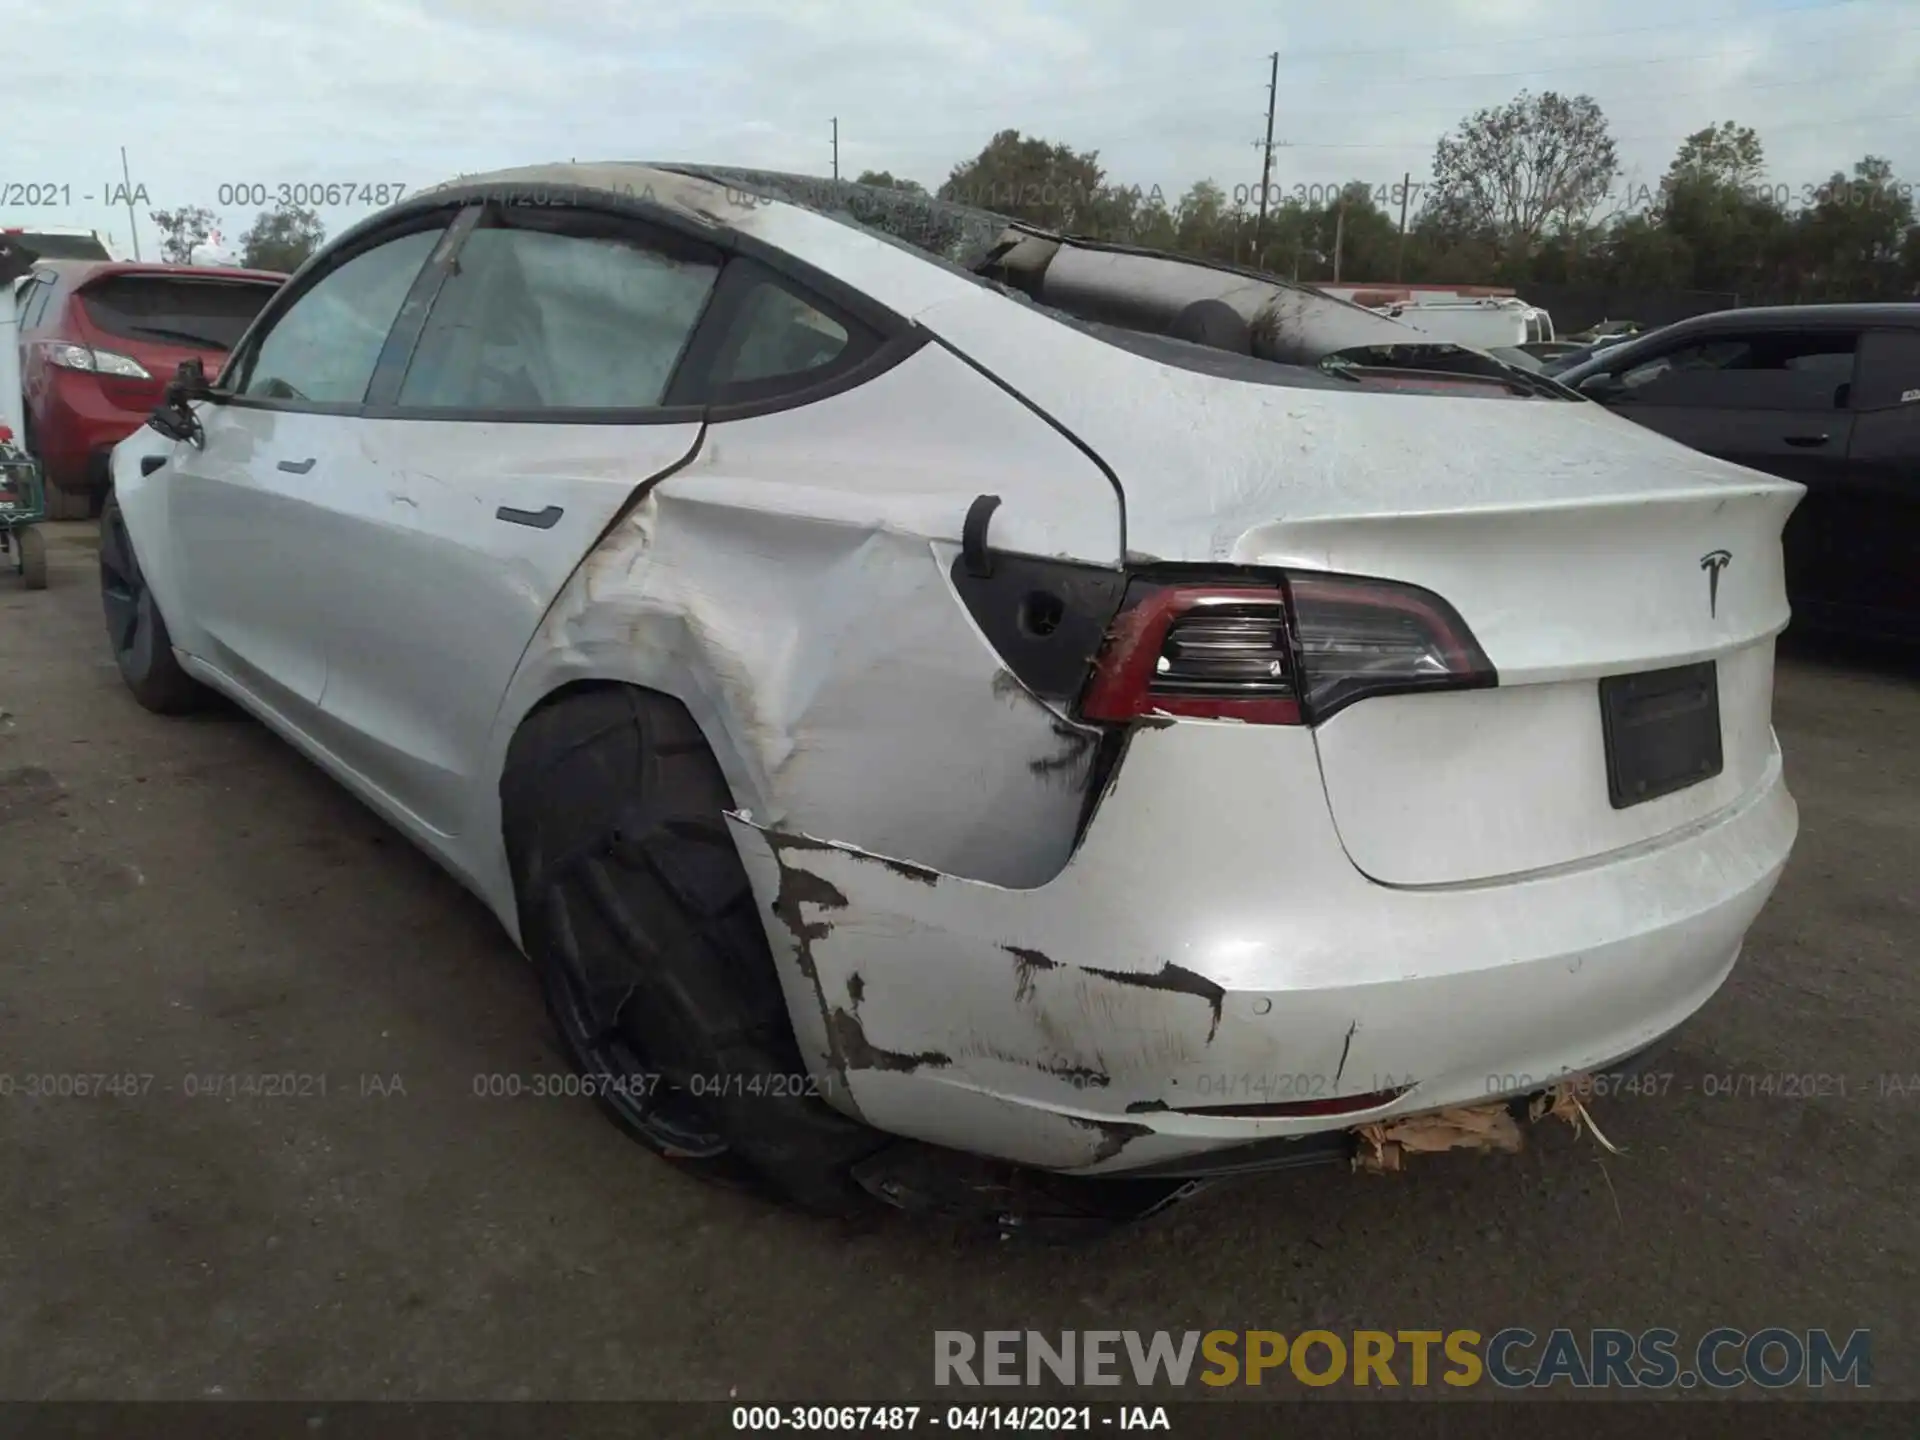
x,y
324,347
38,294
558,317
65,247
1762,371
175,311
1889,370
775,333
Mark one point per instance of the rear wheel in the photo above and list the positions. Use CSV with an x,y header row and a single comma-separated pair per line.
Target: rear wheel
x,y
141,646
33,557
60,505
638,916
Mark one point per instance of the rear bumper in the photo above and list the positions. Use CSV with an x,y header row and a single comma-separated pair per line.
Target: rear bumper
x,y
1211,945
77,428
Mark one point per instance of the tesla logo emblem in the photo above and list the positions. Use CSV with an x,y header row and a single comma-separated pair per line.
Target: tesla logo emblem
x,y
1713,562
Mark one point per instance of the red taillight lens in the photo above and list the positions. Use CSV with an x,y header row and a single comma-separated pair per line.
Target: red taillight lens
x,y
1360,637
1210,652
1289,653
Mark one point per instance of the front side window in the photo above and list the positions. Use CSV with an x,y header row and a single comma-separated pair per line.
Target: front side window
x,y
1889,370
577,315
324,347
1760,371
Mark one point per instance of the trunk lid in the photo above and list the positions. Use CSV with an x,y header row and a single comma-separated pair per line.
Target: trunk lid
x,y
1576,545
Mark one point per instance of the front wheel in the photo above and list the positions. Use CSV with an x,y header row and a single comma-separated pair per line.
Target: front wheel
x,y
135,628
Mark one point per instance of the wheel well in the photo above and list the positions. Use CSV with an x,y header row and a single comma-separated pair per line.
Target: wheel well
x,y
575,688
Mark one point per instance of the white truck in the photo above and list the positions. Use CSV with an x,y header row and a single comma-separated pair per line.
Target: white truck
x,y
1483,317
1483,324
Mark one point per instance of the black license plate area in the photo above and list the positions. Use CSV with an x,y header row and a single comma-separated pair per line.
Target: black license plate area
x,y
1662,731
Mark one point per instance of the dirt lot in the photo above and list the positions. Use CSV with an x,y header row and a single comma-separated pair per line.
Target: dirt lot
x,y
190,898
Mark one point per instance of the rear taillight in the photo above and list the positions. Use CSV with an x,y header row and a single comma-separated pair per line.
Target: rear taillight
x,y
1212,652
69,356
1292,652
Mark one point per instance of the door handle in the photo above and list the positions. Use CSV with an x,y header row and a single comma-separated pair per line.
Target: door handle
x,y
1805,441
538,519
151,463
296,467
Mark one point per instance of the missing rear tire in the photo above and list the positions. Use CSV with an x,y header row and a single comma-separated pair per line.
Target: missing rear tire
x,y
637,913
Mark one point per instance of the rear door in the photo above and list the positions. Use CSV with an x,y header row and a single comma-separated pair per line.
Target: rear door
x,y
532,407
1772,400
250,511
1874,507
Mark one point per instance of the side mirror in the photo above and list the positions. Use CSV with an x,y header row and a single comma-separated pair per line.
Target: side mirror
x,y
174,417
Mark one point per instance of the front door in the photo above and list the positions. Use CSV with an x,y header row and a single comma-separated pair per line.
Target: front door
x,y
248,510
1775,401
530,412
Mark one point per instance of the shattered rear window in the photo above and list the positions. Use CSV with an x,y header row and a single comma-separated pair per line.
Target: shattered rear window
x,y
958,234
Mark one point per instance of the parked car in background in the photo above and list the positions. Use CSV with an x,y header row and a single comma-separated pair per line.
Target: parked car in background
x,y
98,343
64,242
1827,395
922,688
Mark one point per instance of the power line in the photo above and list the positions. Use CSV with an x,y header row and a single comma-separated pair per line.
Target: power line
x,y
1081,89
1583,35
1849,77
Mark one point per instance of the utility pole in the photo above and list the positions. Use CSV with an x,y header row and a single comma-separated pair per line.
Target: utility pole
x,y
836,147
1339,236
126,189
1266,153
1400,255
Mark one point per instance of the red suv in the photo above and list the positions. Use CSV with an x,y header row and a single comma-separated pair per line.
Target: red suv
x,y
99,341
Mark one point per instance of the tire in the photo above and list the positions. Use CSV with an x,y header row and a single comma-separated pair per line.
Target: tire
x,y
135,628
63,505
60,505
33,557
639,918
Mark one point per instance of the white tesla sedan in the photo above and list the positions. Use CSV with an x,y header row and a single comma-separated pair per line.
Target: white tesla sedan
x,y
918,687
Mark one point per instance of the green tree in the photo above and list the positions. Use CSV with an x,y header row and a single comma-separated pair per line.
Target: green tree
x,y
1714,205
886,180
1849,242
181,230
1051,186
282,239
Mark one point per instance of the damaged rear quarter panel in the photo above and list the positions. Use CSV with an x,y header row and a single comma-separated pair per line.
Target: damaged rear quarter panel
x,y
790,585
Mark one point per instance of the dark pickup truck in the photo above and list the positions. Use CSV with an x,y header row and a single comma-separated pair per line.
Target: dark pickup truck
x,y
1828,395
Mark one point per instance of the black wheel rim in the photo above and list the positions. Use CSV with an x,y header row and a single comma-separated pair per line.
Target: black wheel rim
x,y
597,1012
123,593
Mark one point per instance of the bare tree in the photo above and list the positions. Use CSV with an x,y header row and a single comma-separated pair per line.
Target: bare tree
x,y
1536,164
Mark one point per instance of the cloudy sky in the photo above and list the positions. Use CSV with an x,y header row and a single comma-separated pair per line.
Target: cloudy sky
x,y
211,93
